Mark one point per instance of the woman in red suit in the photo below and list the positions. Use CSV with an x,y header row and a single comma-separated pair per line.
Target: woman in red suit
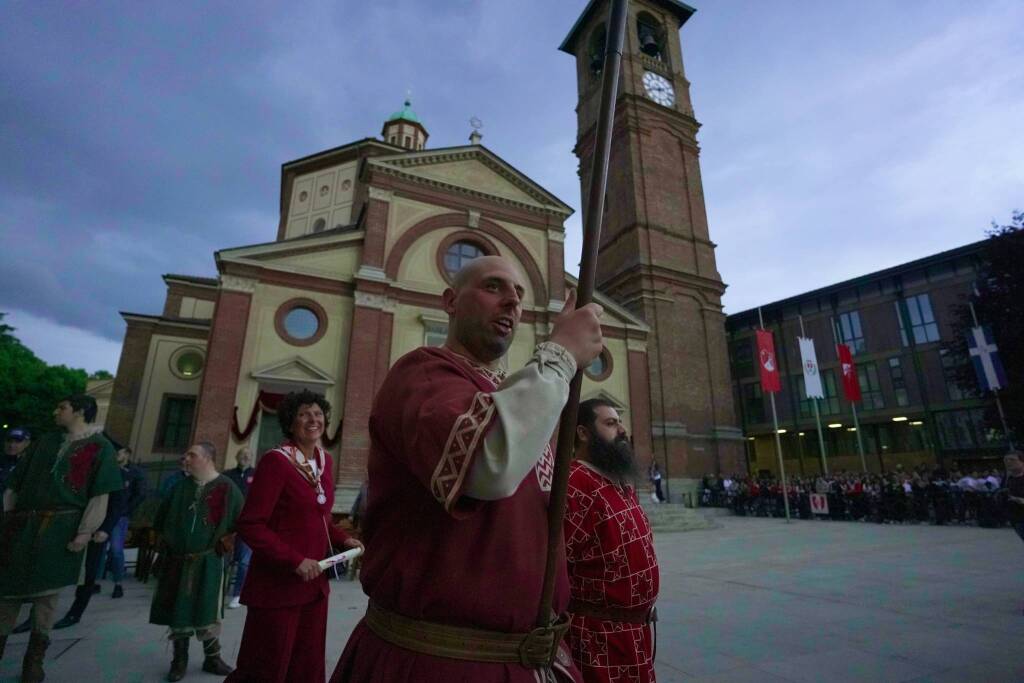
x,y
287,523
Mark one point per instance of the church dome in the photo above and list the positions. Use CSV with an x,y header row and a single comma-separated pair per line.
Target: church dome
x,y
405,114
404,128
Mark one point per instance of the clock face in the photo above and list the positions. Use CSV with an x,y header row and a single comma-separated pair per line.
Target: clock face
x,y
659,89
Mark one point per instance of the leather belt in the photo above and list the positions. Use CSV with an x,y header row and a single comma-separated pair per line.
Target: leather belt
x,y
642,615
538,648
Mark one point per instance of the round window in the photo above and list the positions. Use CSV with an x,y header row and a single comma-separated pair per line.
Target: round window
x,y
600,367
458,254
301,323
187,363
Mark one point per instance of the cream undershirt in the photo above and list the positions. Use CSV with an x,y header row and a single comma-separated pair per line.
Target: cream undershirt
x,y
528,405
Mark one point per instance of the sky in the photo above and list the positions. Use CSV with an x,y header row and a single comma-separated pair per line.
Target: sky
x,y
837,138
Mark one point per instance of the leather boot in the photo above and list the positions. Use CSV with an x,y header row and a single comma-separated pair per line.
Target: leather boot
x,y
213,664
32,665
179,663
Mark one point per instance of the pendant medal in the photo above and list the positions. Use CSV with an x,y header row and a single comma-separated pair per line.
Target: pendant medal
x,y
321,498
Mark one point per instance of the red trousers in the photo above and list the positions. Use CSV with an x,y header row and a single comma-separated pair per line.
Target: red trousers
x,y
283,644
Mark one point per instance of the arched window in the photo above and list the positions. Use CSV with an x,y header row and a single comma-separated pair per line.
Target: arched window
x,y
595,51
458,254
650,36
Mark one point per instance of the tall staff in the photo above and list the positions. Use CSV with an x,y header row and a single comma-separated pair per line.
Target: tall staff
x,y
773,372
584,293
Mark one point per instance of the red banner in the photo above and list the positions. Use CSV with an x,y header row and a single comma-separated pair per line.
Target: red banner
x,y
770,380
851,385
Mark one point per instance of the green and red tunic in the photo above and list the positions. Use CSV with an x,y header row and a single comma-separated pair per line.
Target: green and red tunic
x,y
191,521
53,482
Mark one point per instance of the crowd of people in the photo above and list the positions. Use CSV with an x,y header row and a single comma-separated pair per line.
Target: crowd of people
x,y
921,495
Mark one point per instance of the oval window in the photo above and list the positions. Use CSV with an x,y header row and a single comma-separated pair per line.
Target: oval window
x,y
458,254
188,363
600,367
301,323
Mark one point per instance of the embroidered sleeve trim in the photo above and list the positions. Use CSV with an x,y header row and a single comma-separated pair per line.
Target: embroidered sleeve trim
x,y
463,440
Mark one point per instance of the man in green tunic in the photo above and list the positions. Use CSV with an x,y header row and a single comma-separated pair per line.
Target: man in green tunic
x,y
54,500
196,524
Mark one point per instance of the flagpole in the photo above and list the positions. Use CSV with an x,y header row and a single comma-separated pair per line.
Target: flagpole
x,y
995,392
860,441
778,440
817,414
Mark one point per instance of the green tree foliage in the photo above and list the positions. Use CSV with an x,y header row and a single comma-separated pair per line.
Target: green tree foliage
x,y
29,388
999,303
101,374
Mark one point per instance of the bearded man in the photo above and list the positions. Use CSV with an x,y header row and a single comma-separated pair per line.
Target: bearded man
x,y
55,501
613,570
459,480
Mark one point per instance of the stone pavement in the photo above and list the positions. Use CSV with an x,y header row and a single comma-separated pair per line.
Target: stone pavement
x,y
750,600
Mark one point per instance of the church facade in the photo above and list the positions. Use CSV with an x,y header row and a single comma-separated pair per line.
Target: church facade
x,y
369,236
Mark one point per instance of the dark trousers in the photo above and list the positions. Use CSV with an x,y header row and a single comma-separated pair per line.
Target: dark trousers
x,y
657,491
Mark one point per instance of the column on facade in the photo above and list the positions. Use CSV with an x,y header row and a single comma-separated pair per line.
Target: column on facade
x,y
216,406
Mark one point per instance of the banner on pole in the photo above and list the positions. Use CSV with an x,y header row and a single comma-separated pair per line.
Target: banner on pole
x,y
819,504
851,385
988,366
770,380
812,378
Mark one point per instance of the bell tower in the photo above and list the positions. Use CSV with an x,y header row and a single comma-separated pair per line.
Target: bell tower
x,y
656,255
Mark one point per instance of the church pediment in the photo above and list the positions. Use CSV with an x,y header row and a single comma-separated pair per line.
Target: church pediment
x,y
296,370
471,169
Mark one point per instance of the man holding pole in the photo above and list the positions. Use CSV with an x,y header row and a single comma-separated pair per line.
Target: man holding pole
x,y
460,475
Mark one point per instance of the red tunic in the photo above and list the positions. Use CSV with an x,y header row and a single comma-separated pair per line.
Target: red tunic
x,y
612,563
283,524
431,553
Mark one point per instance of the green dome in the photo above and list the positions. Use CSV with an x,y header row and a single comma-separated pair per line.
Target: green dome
x,y
405,114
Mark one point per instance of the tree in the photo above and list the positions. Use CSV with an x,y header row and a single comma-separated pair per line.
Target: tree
x,y
998,303
101,374
29,387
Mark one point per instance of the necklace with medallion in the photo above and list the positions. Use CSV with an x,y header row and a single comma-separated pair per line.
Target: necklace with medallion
x,y
311,471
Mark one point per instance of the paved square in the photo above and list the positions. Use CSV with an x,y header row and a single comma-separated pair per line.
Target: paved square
x,y
752,600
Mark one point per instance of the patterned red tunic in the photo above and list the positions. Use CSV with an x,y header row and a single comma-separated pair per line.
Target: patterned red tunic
x,y
610,550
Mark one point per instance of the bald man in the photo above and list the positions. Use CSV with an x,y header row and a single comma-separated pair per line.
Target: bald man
x,y
459,480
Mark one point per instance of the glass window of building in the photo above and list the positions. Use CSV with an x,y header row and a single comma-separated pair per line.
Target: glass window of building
x,y
753,402
899,383
870,389
175,423
458,254
921,317
301,323
850,330
743,358
950,374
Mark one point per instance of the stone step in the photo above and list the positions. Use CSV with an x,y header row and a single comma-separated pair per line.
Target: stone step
x,y
676,517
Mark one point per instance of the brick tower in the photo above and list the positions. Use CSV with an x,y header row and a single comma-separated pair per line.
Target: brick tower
x,y
656,254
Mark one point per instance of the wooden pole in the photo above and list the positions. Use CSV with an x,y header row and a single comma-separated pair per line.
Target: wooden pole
x,y
584,294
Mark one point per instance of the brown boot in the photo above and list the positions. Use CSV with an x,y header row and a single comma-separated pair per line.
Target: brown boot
x,y
32,665
213,664
179,663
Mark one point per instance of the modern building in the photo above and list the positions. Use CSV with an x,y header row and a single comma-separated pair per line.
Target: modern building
x,y
369,236
898,322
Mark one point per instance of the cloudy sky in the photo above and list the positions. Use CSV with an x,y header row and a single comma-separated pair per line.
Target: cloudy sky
x,y
838,138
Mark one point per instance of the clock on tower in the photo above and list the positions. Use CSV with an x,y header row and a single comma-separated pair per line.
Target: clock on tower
x,y
656,255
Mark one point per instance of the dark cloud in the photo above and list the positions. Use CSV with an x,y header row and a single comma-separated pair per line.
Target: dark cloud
x,y
138,138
